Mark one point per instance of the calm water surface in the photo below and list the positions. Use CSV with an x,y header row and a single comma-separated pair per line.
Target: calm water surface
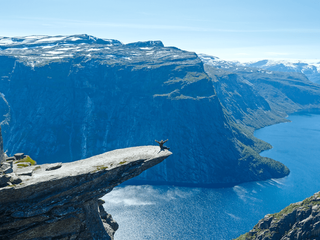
x,y
171,213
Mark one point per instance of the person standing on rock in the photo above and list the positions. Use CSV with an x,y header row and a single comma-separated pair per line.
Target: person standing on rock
x,y
161,144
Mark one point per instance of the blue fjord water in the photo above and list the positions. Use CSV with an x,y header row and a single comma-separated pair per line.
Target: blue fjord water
x,y
171,213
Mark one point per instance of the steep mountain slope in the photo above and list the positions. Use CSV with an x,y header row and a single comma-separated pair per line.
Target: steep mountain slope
x,y
71,97
256,97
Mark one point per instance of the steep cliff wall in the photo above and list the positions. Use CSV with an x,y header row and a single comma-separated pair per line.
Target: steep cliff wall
x,y
61,200
66,101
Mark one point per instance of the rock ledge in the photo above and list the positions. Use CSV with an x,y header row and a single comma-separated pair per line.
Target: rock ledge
x,y
61,200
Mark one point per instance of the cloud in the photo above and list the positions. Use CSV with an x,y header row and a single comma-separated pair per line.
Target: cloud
x,y
145,195
277,54
129,196
242,54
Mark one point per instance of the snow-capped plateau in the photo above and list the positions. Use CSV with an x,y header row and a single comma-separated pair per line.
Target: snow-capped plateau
x,y
39,50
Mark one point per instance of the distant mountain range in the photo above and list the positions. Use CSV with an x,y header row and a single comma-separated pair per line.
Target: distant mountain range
x,y
311,69
65,98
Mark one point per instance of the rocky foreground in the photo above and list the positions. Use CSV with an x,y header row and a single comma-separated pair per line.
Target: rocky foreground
x,y
61,200
297,221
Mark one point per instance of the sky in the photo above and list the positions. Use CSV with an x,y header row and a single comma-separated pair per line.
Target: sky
x,y
241,30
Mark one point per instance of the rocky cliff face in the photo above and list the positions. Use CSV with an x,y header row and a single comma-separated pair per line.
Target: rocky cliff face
x,y
61,200
297,221
67,98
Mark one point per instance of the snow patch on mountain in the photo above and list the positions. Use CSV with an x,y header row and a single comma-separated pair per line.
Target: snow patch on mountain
x,y
5,41
50,39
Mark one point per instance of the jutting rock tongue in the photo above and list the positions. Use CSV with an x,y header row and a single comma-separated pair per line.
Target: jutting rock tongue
x,y
2,158
61,200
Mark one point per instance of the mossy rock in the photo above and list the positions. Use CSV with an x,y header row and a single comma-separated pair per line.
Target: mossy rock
x,y
22,165
101,167
27,159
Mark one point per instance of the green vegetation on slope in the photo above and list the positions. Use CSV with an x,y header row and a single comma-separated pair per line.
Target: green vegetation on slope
x,y
297,221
